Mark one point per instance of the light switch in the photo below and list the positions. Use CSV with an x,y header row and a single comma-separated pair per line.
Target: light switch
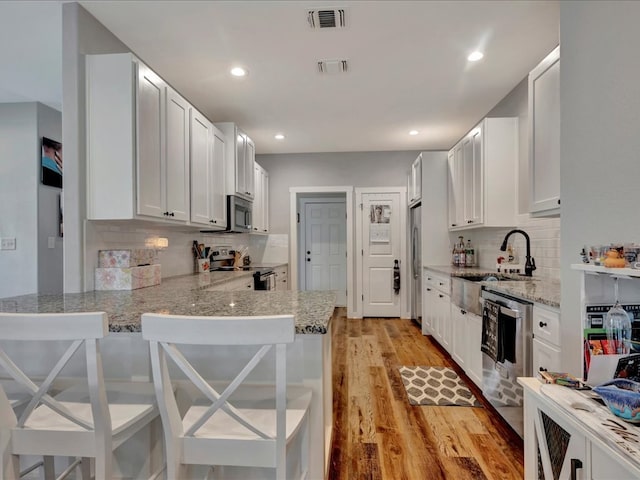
x,y
51,242
7,243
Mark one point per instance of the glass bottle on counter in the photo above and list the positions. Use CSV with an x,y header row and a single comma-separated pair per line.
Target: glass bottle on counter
x,y
470,257
462,254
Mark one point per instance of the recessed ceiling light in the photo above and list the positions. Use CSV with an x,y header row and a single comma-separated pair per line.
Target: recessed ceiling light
x,y
475,56
278,136
238,72
414,132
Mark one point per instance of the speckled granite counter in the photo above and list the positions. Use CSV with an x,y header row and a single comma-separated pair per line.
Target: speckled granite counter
x,y
185,295
536,289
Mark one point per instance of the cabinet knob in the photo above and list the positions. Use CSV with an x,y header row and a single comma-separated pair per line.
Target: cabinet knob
x,y
265,230
428,289
165,213
255,228
440,295
463,312
172,214
558,201
469,221
454,224
542,369
542,324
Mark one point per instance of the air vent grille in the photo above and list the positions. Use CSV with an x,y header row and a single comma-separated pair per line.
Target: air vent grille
x,y
332,66
327,18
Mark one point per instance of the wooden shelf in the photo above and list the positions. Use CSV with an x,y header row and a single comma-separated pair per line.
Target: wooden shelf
x,y
614,272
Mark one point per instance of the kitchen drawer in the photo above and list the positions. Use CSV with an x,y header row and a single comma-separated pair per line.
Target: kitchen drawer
x,y
546,325
545,357
438,281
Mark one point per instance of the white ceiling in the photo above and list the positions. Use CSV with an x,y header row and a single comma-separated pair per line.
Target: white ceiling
x,y
407,64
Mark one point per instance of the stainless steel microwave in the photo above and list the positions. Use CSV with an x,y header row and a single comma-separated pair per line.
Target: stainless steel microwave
x,y
238,215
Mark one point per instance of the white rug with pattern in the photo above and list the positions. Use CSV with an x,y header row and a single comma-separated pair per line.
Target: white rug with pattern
x,y
436,386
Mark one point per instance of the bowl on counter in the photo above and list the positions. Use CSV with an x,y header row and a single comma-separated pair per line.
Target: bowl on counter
x,y
622,396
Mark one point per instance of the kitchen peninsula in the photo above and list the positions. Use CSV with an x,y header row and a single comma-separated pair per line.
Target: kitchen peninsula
x,y
126,355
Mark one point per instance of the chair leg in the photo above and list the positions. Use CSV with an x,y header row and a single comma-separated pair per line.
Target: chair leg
x,y
85,468
49,468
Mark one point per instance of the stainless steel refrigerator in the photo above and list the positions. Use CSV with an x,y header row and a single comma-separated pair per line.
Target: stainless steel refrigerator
x,y
416,263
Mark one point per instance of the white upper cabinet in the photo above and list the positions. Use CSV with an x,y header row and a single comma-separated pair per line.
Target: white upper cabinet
x,y
239,163
482,176
137,142
415,182
260,208
208,202
544,136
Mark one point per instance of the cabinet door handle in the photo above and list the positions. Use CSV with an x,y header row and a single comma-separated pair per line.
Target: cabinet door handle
x,y
428,289
165,213
558,201
542,324
440,295
575,465
172,214
542,369
454,224
469,221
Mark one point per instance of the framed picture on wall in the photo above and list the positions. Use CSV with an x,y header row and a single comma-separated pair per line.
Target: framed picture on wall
x,y
51,164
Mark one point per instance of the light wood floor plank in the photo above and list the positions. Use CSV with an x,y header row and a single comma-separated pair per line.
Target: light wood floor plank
x,y
379,435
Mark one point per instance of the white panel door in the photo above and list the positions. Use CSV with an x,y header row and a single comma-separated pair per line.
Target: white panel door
x,y
326,248
381,247
151,155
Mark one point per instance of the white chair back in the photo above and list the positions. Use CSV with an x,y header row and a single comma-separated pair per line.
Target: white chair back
x,y
166,334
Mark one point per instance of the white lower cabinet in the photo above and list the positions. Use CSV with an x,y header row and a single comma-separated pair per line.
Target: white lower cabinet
x,y
282,277
466,340
436,307
558,445
546,339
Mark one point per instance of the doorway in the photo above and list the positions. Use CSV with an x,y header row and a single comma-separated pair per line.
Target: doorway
x,y
323,245
332,234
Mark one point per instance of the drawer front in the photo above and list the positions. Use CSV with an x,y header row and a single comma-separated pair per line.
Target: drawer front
x,y
546,325
438,281
545,357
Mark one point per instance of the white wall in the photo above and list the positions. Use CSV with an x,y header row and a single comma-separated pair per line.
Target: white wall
x,y
600,144
82,34
357,169
50,260
19,179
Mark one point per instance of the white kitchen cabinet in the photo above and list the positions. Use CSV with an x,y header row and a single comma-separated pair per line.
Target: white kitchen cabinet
x,y
455,187
466,340
137,143
482,176
282,277
414,191
544,136
437,307
208,199
562,443
260,210
546,339
239,161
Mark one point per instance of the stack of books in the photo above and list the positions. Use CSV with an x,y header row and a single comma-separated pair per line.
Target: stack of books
x,y
560,378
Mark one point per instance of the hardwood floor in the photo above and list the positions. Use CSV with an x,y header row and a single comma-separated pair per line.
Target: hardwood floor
x,y
379,435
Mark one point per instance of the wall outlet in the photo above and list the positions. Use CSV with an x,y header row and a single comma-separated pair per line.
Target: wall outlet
x,y
7,243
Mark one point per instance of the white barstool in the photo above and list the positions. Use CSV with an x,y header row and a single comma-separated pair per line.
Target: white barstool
x,y
251,426
90,419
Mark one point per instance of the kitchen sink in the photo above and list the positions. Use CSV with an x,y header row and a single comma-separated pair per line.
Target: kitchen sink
x,y
465,291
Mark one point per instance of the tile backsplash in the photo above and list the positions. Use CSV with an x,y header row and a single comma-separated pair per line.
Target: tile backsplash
x,y
545,244
177,257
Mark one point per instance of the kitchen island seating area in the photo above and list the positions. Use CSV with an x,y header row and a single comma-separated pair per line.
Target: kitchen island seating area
x,y
88,418
248,424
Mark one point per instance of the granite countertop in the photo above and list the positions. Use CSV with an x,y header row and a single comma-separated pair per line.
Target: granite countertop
x,y
185,295
535,289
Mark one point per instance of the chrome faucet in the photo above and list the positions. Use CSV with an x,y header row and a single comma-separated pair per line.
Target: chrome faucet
x,y
530,263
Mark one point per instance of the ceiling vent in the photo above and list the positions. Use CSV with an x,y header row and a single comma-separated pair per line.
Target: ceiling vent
x,y
327,18
332,66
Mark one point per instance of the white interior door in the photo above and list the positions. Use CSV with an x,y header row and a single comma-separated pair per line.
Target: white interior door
x,y
381,247
325,250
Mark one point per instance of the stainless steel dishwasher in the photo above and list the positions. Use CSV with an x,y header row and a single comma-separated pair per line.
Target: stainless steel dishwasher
x,y
506,354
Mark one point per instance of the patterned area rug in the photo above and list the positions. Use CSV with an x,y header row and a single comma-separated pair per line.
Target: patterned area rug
x,y
436,386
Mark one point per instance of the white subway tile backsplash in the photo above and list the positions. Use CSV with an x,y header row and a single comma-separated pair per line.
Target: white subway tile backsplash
x,y
545,244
